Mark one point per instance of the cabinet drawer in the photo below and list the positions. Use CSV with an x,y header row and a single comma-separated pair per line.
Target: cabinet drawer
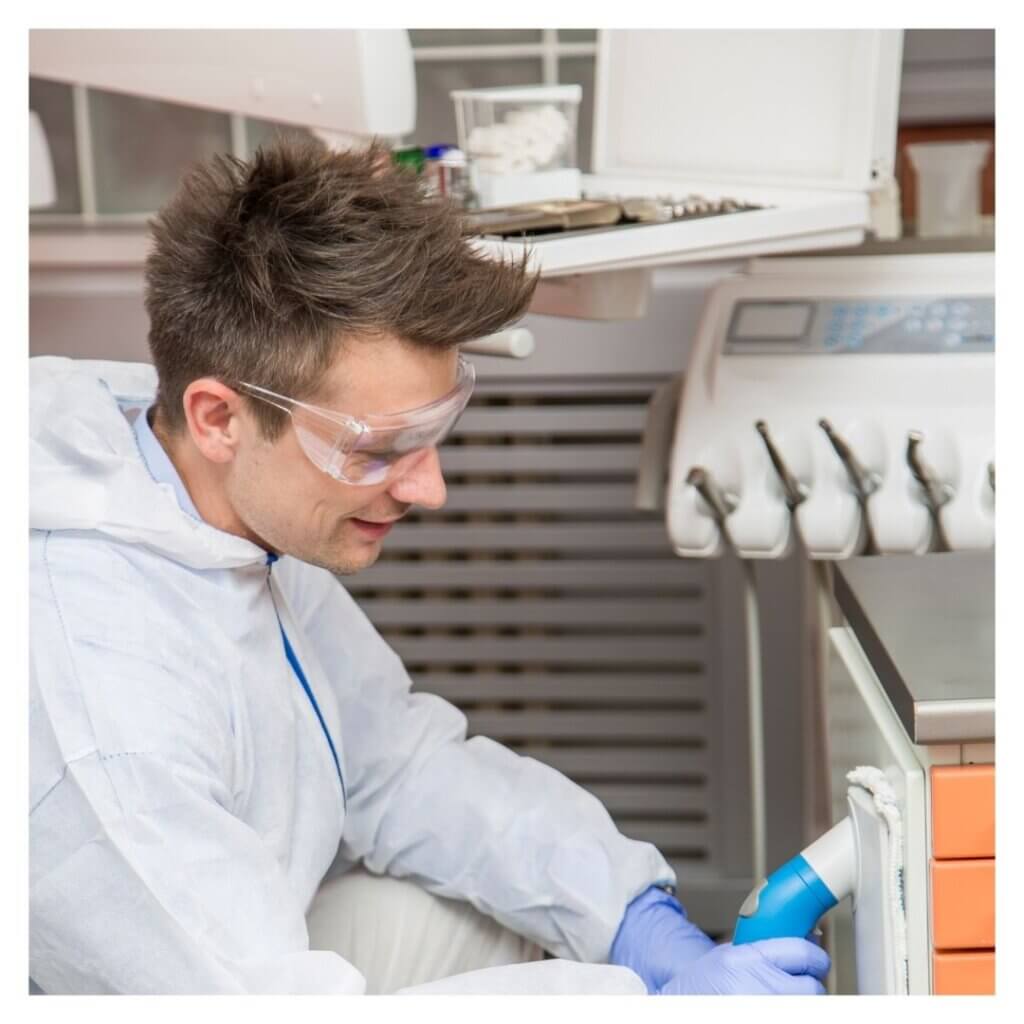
x,y
963,811
964,974
963,904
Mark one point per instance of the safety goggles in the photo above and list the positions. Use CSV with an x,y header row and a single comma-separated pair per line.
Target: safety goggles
x,y
376,448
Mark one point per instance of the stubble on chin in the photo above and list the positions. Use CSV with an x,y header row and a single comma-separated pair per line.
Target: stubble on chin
x,y
341,550
346,563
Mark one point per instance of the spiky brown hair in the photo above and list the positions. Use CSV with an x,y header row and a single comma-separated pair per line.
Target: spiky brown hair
x,y
261,269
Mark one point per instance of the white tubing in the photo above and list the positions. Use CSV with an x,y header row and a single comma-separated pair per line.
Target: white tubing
x,y
755,712
817,790
819,802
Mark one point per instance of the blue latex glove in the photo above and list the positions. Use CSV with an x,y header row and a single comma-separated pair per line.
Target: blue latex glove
x,y
656,939
780,967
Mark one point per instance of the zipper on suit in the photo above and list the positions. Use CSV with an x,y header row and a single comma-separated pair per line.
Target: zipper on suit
x,y
300,675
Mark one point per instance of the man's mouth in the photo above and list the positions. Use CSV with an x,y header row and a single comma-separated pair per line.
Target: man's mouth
x,y
373,529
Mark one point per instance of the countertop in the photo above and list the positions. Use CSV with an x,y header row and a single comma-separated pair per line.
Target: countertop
x,y
927,625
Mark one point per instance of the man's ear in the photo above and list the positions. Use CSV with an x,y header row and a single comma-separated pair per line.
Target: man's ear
x,y
212,414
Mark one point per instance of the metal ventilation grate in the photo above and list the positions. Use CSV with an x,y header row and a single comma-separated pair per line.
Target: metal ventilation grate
x,y
555,615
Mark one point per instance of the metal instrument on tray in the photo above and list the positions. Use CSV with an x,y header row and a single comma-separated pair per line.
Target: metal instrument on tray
x,y
594,212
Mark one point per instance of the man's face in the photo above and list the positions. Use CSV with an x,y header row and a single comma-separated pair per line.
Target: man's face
x,y
294,508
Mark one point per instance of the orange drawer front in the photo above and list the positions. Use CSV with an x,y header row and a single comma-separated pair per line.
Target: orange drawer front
x,y
964,974
964,904
963,811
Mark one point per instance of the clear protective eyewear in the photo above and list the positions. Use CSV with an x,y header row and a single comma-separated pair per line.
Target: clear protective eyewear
x,y
375,448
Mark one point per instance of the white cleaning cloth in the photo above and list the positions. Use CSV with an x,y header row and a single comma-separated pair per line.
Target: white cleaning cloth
x,y
874,781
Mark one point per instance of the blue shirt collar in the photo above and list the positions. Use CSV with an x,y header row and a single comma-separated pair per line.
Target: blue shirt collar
x,y
159,464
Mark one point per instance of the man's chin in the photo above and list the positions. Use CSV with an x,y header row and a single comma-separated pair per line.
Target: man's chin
x,y
353,560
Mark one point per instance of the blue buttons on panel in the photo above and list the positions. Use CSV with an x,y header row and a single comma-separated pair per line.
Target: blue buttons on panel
x,y
856,338
835,327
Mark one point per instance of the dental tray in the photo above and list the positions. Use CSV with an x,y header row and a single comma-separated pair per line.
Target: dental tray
x,y
585,214
800,123
533,218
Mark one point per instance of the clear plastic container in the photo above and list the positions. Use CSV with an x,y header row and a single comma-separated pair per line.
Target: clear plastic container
x,y
520,130
948,187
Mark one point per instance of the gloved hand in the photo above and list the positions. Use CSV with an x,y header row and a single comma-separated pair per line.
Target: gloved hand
x,y
782,967
656,939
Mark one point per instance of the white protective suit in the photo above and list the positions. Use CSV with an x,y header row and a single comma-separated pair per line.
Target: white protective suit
x,y
185,801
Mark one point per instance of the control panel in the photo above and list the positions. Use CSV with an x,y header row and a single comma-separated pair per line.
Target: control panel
x,y
890,324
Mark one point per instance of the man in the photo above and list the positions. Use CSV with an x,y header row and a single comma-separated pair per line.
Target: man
x,y
214,721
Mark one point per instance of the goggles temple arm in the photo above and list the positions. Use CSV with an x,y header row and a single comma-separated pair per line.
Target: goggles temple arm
x,y
262,395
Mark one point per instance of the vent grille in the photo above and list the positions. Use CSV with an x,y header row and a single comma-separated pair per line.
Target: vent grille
x,y
554,614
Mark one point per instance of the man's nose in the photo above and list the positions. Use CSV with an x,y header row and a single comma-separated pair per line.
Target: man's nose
x,y
423,484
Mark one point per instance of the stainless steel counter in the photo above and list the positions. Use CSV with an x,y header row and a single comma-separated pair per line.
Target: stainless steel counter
x,y
927,625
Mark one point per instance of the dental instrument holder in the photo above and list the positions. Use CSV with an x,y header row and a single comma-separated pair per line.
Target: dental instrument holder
x,y
720,503
863,482
934,493
794,491
805,380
